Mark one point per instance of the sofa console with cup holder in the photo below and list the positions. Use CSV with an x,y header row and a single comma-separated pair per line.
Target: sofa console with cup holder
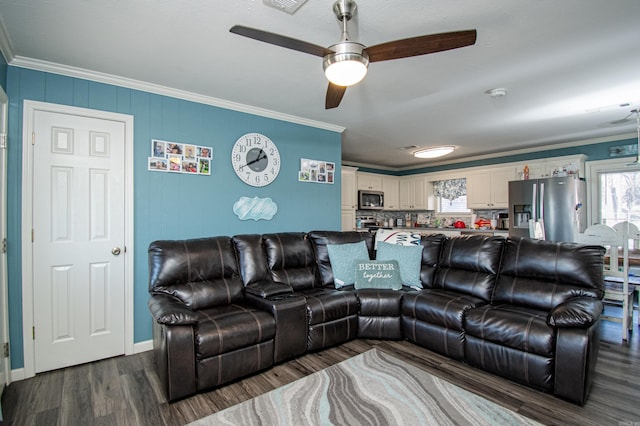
x,y
227,307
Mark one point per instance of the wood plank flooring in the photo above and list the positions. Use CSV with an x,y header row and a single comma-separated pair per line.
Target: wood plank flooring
x,y
126,390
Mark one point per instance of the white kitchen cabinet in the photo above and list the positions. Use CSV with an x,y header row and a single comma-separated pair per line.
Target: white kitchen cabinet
x,y
489,189
348,219
391,189
370,181
349,198
349,193
414,194
545,168
558,164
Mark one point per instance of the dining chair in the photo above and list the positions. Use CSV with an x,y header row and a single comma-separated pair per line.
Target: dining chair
x,y
616,271
633,238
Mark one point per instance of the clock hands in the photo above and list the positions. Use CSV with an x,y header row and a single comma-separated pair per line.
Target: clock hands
x,y
261,156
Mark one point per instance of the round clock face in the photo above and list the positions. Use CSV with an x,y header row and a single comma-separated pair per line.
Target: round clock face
x,y
255,159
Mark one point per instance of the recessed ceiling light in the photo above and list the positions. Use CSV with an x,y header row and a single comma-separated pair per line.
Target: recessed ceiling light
x,y
499,92
434,152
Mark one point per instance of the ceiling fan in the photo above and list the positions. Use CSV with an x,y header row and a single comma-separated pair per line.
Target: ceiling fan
x,y
345,63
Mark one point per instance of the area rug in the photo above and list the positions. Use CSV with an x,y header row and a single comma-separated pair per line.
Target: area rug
x,y
373,388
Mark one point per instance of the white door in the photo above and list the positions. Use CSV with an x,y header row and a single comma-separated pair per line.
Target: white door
x,y
78,236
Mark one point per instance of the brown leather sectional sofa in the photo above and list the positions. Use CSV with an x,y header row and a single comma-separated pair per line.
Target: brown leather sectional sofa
x,y
227,307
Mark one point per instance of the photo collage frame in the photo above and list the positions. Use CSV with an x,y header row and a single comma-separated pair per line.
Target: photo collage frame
x,y
316,171
178,157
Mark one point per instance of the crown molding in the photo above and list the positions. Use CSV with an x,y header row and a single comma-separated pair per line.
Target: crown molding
x,y
51,67
6,47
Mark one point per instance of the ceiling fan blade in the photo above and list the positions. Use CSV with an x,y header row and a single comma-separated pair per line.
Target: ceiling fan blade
x,y
280,40
334,95
422,45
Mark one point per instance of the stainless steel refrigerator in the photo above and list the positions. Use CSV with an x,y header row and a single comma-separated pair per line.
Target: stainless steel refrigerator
x,y
552,209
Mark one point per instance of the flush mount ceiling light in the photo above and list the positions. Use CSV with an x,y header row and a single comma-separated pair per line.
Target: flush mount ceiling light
x,y
434,152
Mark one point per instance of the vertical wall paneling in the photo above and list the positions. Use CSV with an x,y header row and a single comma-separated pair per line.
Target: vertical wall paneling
x,y
167,205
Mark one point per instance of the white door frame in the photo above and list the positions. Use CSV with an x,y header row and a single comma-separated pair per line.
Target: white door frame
x,y
4,296
28,125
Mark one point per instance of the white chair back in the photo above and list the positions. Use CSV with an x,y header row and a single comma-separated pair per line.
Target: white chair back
x,y
616,267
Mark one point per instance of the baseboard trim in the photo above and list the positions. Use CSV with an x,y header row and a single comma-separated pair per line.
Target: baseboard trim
x,y
17,374
145,346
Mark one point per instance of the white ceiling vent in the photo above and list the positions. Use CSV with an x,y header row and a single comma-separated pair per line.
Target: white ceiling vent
x,y
289,6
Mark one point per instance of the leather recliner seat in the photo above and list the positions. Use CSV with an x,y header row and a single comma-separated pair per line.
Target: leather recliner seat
x,y
523,309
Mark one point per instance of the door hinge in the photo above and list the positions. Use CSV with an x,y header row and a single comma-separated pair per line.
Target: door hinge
x,y
33,235
33,138
33,332
4,245
3,140
5,350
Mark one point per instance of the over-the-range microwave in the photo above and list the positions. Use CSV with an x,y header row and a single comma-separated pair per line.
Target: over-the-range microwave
x,y
370,200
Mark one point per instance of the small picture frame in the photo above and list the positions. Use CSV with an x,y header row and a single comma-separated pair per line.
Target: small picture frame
x,y
158,164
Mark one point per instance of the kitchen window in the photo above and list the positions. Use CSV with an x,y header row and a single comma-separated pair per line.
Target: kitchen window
x,y
620,197
451,196
614,192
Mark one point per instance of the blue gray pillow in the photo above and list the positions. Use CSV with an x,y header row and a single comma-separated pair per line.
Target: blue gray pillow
x,y
378,274
343,260
409,258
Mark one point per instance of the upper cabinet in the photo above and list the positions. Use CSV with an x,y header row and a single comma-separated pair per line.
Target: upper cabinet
x,y
555,166
416,193
391,189
489,189
371,181
349,193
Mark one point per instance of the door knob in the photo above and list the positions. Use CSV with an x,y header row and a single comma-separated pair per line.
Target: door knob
x,y
115,251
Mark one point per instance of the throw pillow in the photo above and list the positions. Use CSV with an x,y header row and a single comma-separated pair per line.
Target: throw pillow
x,y
378,274
343,259
404,238
409,258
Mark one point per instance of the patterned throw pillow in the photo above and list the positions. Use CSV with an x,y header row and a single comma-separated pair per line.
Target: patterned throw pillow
x,y
404,238
343,259
409,258
378,274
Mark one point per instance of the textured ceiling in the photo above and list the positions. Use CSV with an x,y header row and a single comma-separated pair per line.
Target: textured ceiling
x,y
567,65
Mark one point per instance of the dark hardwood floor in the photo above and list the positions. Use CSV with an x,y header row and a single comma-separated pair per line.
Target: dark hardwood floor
x,y
126,390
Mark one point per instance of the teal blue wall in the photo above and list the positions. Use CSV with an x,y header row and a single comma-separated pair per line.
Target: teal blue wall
x,y
174,206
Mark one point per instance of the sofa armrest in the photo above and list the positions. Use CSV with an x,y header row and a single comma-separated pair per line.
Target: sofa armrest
x,y
168,310
577,312
267,289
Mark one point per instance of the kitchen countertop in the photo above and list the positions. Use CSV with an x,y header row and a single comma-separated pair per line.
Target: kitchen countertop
x,y
444,230
435,230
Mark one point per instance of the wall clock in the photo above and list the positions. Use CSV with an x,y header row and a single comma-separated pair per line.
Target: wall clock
x,y
255,159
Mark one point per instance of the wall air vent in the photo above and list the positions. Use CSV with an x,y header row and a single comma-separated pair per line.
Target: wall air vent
x,y
289,6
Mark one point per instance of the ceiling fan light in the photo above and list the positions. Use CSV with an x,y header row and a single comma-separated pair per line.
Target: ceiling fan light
x,y
345,69
434,152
